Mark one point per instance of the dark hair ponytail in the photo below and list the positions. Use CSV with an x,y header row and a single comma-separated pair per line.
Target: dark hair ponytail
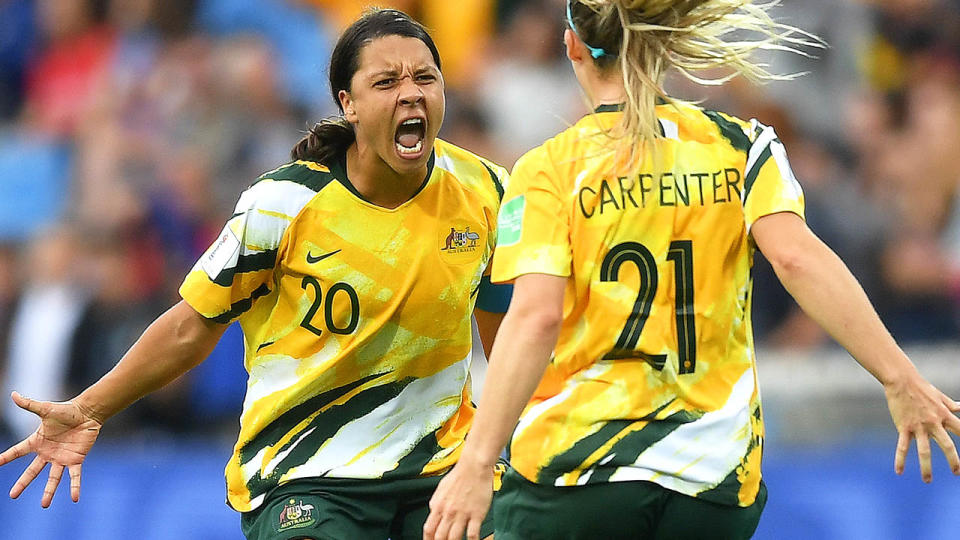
x,y
327,139
332,136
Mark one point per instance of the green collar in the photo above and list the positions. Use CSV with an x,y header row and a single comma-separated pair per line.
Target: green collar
x,y
607,107
338,168
618,107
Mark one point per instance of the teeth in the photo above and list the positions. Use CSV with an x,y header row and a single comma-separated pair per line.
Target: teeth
x,y
404,150
412,121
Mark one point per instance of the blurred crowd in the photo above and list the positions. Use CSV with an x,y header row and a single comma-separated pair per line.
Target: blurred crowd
x,y
129,127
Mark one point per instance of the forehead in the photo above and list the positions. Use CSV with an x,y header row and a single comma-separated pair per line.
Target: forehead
x,y
394,53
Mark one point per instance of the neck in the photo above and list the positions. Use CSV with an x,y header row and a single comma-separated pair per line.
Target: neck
x,y
377,182
602,88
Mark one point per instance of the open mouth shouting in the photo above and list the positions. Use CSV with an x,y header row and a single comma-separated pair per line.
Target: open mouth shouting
x,y
409,137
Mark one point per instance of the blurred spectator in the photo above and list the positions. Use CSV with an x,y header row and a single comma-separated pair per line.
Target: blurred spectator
x,y
17,40
466,125
255,126
298,35
528,90
460,29
918,178
43,324
9,296
830,74
343,13
62,79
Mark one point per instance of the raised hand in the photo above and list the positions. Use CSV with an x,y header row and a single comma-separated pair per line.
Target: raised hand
x,y
921,411
65,435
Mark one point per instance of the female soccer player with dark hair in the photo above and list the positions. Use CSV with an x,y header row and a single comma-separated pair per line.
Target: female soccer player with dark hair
x,y
627,353
354,270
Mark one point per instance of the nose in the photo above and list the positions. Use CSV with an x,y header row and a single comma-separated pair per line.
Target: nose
x,y
410,92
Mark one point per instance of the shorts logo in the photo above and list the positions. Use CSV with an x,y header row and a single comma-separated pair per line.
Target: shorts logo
x,y
461,241
296,515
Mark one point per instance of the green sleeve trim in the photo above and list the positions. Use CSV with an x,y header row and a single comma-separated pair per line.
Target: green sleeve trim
x,y
242,306
754,172
496,181
299,174
255,262
730,131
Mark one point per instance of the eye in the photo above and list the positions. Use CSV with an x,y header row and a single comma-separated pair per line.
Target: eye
x,y
426,77
384,83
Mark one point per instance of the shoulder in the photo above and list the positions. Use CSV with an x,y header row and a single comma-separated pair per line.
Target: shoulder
x,y
284,191
308,174
559,153
586,137
295,180
537,158
740,134
470,169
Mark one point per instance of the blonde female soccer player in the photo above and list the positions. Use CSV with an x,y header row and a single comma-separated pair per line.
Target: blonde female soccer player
x,y
354,271
627,352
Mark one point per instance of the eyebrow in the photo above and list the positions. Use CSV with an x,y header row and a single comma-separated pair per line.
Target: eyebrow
x,y
395,72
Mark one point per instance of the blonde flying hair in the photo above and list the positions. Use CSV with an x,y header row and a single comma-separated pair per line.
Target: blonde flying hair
x,y
647,37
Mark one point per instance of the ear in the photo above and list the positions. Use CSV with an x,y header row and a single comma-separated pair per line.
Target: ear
x,y
346,102
575,48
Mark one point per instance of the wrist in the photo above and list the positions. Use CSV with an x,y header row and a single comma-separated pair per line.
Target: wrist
x,y
89,409
477,458
896,378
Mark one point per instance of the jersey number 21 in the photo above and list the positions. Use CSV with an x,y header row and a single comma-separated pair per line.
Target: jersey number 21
x,y
681,254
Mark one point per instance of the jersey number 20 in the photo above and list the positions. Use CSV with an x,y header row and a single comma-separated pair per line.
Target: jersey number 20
x,y
681,254
307,322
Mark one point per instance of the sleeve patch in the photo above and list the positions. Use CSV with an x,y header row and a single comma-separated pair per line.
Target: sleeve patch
x,y
510,221
224,252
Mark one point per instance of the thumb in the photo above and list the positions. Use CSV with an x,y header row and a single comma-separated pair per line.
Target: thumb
x,y
26,403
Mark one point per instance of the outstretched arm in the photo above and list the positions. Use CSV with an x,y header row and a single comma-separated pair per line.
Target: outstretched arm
x,y
826,290
177,341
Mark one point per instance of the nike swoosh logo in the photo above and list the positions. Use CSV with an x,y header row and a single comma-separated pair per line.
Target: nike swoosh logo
x,y
311,259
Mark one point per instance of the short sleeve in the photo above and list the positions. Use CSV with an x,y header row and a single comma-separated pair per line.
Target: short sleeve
x,y
237,268
769,183
533,229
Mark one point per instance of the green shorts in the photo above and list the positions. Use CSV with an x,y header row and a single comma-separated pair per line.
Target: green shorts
x,y
615,511
346,509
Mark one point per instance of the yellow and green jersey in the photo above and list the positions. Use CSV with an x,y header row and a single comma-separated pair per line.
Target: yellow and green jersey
x,y
356,320
653,376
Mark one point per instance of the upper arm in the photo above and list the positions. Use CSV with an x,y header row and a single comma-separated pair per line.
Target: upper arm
x,y
783,238
540,297
193,326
